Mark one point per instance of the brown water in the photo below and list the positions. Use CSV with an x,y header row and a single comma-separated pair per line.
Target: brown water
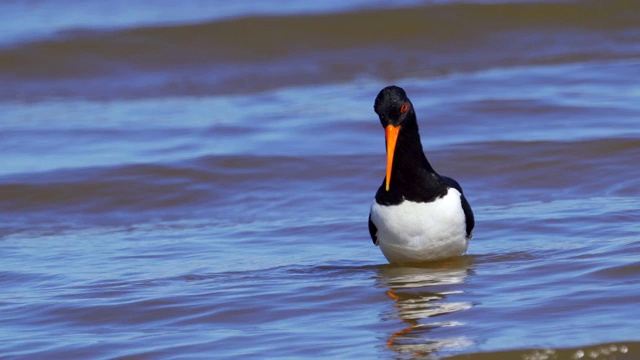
x,y
194,181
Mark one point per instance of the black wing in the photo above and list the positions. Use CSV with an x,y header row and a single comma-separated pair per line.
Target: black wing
x,y
373,231
468,213
451,183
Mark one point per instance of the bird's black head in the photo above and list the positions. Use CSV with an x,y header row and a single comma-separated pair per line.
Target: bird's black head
x,y
392,106
396,112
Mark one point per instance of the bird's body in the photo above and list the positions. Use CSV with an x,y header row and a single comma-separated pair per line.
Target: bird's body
x,y
417,215
415,231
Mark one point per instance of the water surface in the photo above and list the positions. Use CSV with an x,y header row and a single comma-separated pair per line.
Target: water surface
x,y
194,181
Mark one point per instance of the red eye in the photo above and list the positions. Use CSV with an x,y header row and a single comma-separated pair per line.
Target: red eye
x,y
404,108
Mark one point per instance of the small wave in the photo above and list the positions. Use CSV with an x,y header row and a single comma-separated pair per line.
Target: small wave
x,y
218,184
213,185
266,51
623,350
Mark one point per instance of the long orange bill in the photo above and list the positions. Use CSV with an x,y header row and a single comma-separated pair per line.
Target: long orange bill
x,y
391,135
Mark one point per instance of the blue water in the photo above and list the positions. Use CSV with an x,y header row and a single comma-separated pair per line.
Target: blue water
x,y
194,181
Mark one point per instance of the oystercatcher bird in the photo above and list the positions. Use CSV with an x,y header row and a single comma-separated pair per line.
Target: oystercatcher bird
x,y
418,215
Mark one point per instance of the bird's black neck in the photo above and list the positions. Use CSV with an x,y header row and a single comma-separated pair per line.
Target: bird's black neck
x,y
412,177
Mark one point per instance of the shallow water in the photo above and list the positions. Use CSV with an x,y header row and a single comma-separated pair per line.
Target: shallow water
x,y
194,182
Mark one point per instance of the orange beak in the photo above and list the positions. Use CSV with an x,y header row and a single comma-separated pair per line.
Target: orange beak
x,y
391,135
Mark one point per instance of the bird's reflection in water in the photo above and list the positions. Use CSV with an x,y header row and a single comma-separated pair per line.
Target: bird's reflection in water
x,y
420,296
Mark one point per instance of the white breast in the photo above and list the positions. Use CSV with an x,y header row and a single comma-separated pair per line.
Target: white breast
x,y
416,232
